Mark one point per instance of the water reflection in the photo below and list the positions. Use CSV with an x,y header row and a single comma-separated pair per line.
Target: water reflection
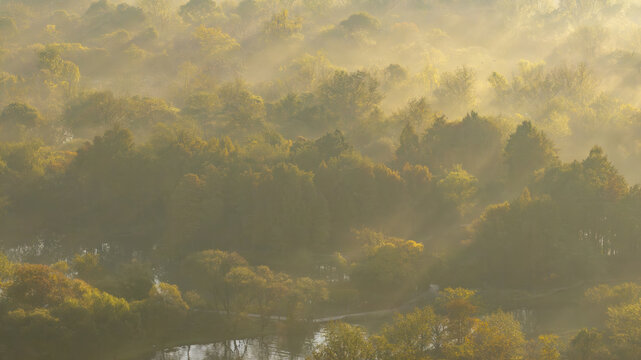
x,y
289,346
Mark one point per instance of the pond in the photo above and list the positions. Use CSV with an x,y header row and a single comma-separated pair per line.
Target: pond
x,y
275,347
286,344
298,344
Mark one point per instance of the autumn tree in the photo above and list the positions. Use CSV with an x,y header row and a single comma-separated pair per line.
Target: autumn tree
x,y
344,341
417,335
283,26
498,336
456,90
528,150
458,305
389,263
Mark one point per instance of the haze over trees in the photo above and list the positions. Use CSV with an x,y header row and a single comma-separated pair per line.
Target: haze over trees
x,y
178,172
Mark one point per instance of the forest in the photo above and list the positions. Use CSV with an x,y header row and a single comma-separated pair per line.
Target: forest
x,y
387,179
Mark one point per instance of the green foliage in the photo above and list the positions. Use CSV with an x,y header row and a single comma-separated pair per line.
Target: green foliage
x,y
528,150
498,336
214,42
459,306
241,111
37,286
357,189
459,187
389,264
456,90
6,268
538,254
624,322
53,316
102,110
421,334
602,297
360,22
87,267
19,121
409,149
281,26
198,11
205,138
588,345
344,342
416,113
232,286
20,114
414,336
349,96
473,143
545,347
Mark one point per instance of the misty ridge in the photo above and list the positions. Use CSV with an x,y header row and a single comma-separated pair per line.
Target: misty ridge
x,y
320,179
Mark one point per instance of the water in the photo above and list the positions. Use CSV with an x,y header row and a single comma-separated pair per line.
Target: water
x,y
283,347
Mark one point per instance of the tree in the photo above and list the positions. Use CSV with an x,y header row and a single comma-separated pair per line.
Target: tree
x,y
109,179
305,297
496,337
6,268
416,113
602,297
38,286
409,150
624,323
88,268
282,26
206,272
357,191
286,213
186,215
588,345
111,317
528,150
544,347
241,112
459,305
61,72
94,111
309,155
202,107
350,96
163,313
456,90
389,267
270,292
240,284
343,341
197,12
417,335
19,120
213,41
360,22
20,114
36,331
604,176
459,187
474,143
159,11
307,72
134,280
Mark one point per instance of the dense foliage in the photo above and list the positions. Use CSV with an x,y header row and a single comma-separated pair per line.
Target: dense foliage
x,y
171,168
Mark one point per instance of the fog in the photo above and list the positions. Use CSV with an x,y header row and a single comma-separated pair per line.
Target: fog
x,y
178,172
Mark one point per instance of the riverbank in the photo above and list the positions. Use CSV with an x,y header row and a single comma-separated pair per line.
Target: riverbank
x,y
204,328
